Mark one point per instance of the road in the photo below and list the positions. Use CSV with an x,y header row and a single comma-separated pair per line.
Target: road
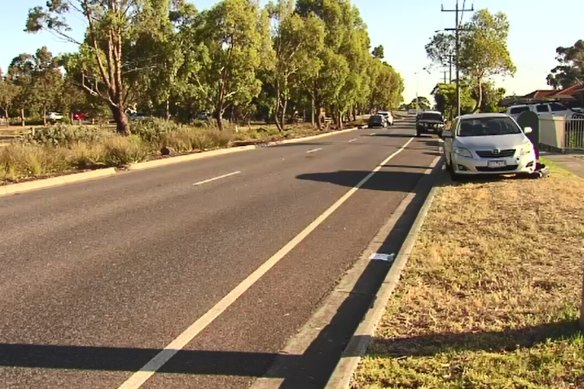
x,y
218,262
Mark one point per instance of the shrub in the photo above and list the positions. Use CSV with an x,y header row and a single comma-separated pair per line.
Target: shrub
x,y
122,151
65,136
86,156
153,130
22,161
219,138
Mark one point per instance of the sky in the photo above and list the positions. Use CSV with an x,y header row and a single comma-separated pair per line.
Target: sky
x,y
402,27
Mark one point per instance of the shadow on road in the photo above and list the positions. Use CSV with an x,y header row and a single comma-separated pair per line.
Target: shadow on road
x,y
394,181
311,369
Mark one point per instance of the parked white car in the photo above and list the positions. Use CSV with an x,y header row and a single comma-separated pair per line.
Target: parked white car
x,y
541,109
388,117
488,143
54,116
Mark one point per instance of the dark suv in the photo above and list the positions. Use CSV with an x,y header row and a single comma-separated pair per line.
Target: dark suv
x,y
429,122
377,121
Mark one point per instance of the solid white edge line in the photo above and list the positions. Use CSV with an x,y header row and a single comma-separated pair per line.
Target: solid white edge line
x,y
353,140
314,150
216,178
138,378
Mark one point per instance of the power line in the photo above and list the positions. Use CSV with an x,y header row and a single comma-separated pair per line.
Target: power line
x,y
457,29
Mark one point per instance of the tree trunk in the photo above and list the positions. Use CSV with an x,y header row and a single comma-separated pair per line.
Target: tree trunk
x,y
312,113
22,119
284,108
167,109
480,99
121,119
277,108
44,115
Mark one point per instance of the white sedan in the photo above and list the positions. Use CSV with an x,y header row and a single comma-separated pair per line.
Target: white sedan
x,y
488,144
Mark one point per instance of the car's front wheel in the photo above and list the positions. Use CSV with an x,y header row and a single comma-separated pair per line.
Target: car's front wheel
x,y
453,174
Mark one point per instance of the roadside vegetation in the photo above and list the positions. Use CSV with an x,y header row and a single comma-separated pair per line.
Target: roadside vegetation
x,y
60,149
491,296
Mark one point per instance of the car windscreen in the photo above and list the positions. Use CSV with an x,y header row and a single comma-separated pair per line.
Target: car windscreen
x,y
376,118
431,116
488,126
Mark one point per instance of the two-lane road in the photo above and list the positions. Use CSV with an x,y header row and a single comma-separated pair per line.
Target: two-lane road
x,y
216,263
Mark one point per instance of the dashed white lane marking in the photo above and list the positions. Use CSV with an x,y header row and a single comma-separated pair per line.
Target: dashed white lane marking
x,y
216,178
373,134
151,367
313,150
353,140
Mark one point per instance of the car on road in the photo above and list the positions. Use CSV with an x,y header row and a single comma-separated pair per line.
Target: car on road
x,y
488,143
376,121
428,122
54,116
388,117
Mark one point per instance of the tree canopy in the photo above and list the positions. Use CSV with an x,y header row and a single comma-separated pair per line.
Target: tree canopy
x,y
237,60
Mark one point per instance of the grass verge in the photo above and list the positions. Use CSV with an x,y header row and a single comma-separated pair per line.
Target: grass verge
x,y
490,297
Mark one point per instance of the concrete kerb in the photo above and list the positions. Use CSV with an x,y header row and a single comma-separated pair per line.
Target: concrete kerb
x,y
361,339
55,181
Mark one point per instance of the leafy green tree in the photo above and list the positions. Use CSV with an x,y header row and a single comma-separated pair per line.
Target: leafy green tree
x,y
441,48
296,39
484,51
378,52
8,94
571,66
236,37
113,27
21,74
445,97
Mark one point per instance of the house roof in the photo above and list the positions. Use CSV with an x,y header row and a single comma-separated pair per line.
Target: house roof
x,y
540,94
570,92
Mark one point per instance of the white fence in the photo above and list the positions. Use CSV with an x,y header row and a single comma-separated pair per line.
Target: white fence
x,y
561,133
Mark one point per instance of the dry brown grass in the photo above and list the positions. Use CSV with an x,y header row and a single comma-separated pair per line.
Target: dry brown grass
x,y
490,297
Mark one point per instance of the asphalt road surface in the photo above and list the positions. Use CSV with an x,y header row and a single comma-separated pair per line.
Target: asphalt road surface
x,y
212,265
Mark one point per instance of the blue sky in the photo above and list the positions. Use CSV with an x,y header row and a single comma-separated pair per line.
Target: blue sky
x,y
402,27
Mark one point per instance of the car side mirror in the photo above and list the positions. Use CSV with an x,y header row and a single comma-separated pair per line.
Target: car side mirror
x,y
447,134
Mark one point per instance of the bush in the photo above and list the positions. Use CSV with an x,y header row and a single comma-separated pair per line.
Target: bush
x,y
65,136
153,130
23,161
87,156
122,151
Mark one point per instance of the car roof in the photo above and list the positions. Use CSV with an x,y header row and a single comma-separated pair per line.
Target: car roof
x,y
437,112
483,115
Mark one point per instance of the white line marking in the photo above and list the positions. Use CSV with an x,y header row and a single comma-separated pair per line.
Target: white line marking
x,y
216,178
151,367
353,140
313,150
372,134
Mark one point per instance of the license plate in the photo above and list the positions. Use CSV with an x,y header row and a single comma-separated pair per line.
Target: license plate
x,y
496,164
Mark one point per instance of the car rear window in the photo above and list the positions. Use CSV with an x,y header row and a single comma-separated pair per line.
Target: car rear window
x,y
518,110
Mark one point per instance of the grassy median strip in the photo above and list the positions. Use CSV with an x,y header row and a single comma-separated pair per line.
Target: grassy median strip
x,y
491,296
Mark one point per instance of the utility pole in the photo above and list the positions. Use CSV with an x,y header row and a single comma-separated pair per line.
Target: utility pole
x,y
456,29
